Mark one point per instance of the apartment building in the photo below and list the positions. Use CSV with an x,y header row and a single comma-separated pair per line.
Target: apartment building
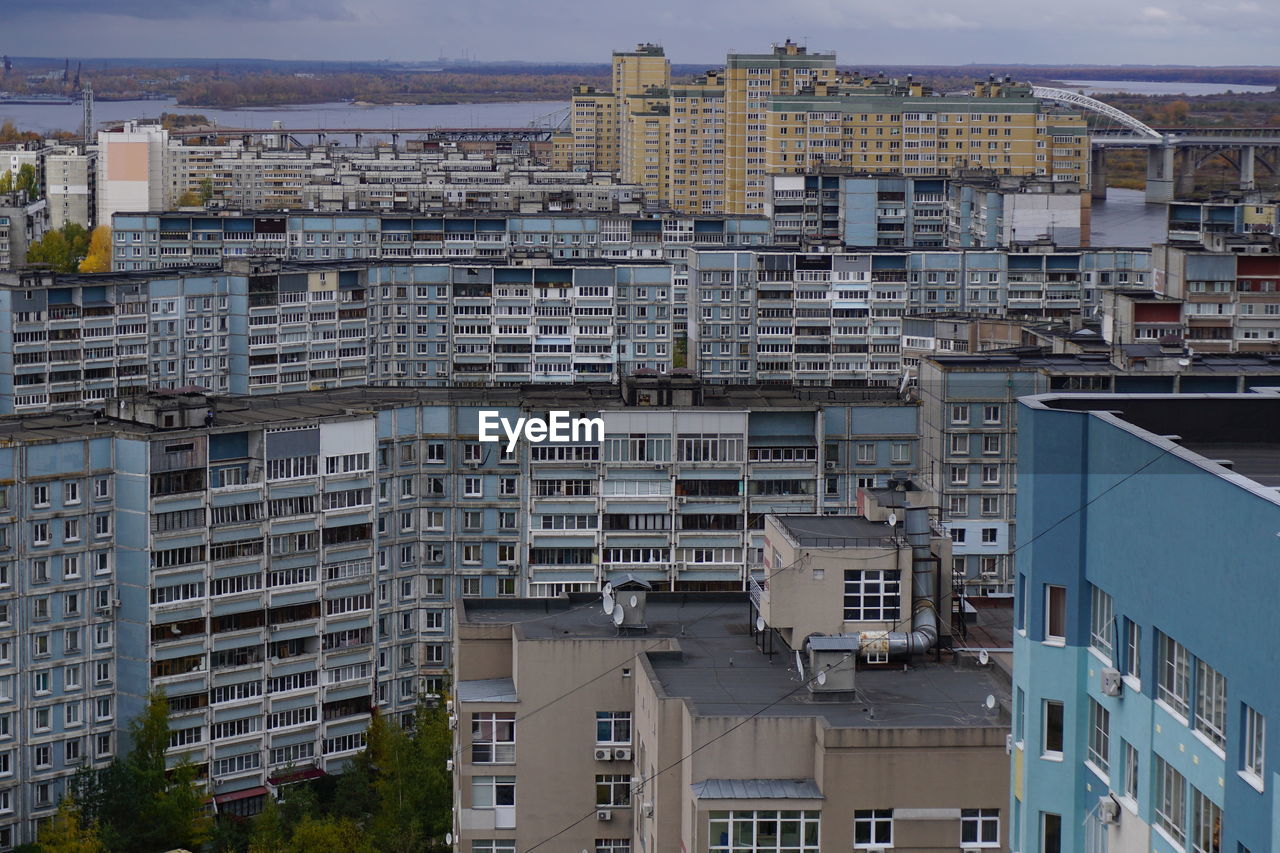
x,y
787,112
181,238
598,118
979,211
130,169
70,184
1228,291
280,564
1140,723
819,318
22,222
695,724
1240,214
969,435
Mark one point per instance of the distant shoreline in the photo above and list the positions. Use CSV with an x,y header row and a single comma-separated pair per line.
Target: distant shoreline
x,y
399,101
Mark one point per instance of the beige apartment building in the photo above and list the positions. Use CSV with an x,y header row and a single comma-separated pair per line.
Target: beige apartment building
x,y
712,144
804,716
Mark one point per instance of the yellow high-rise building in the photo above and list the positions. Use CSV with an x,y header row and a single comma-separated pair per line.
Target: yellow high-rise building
x,y
596,117
643,150
751,79
882,126
709,146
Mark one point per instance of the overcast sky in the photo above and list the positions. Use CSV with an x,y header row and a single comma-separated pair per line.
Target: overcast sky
x,y
1184,32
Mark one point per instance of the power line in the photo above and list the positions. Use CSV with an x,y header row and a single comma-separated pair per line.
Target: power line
x,y
806,682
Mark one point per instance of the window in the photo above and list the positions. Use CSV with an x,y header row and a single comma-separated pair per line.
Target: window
x,y
979,827
763,832
959,475
472,488
1128,771
1101,618
1211,704
872,595
1174,687
1052,730
490,791
1099,737
493,738
1255,742
1055,616
959,414
873,828
1050,832
1206,828
613,790
960,445
990,535
1132,649
1171,802
471,586
613,727
495,846
613,845
991,414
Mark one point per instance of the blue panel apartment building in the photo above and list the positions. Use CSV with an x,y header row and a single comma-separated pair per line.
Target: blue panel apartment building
x,y
1143,694
281,564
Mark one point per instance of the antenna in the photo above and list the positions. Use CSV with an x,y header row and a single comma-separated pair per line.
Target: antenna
x,y
607,602
760,624
607,589
799,665
983,657
618,615
822,678
633,602
893,519
990,702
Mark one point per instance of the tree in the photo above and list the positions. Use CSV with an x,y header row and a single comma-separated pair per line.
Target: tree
x,y
269,833
98,258
6,181
206,190
62,249
68,832
329,835
140,804
190,199
28,181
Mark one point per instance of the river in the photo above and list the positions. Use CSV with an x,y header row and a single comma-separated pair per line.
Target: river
x,y
1159,87
45,118
1125,219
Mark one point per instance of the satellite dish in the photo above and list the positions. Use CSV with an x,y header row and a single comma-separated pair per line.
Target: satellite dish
x,y
618,615
759,623
822,678
893,519
990,702
983,657
634,601
607,602
448,838
1184,362
799,664
607,589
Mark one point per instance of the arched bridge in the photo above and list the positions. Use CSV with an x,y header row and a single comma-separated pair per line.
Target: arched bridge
x,y
1244,147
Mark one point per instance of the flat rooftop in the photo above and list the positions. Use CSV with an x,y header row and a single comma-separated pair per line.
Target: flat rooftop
x,y
836,531
262,409
1234,431
718,668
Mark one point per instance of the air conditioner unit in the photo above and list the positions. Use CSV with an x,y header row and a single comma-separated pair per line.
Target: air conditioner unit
x,y
1112,684
658,466
1108,810
453,721
681,500
604,814
622,753
831,464
448,764
646,809
603,754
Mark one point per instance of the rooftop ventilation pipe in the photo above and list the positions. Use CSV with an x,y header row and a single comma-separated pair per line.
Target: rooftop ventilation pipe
x,y
924,620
